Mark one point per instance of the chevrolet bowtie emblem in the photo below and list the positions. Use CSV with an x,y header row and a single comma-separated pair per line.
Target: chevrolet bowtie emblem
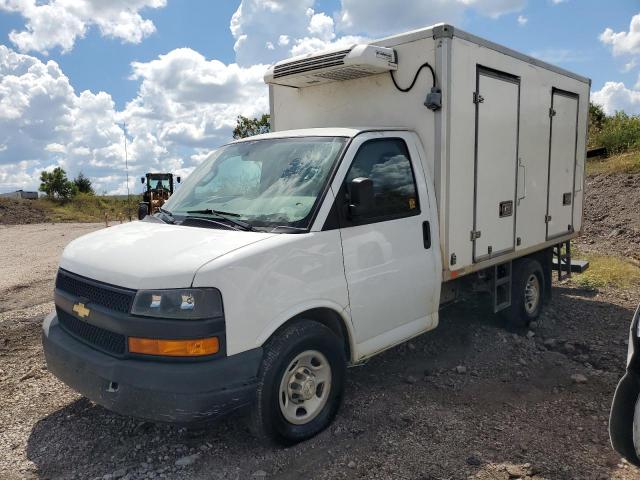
x,y
81,310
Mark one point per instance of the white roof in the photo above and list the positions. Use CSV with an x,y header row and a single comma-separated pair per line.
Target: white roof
x,y
318,132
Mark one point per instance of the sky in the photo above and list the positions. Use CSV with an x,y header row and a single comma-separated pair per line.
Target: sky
x,y
78,77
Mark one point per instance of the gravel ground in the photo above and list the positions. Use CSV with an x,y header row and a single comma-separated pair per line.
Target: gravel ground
x,y
468,400
612,215
29,259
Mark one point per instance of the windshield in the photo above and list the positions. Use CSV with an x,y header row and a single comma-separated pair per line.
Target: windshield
x,y
271,182
158,184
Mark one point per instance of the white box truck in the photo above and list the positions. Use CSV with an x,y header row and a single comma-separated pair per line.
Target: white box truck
x,y
398,176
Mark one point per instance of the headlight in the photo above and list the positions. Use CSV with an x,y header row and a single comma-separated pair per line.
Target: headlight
x,y
183,303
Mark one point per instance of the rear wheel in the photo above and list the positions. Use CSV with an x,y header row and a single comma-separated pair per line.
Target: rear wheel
x,y
527,290
300,383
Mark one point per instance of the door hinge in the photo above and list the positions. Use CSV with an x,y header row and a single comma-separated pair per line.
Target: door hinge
x,y
477,98
475,234
547,218
552,112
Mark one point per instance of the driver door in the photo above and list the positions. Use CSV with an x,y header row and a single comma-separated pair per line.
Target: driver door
x,y
391,256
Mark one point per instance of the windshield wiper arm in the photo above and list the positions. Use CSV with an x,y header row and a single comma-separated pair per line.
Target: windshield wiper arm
x,y
225,216
167,214
209,211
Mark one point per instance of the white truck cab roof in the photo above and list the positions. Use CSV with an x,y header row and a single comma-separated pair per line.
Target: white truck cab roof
x,y
349,132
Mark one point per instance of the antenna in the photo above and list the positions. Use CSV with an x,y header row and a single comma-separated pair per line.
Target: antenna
x,y
126,167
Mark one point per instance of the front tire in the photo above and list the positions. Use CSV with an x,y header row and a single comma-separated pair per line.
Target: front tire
x,y
527,293
300,383
143,210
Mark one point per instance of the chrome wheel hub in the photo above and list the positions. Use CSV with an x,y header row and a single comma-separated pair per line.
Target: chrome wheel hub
x,y
532,294
305,387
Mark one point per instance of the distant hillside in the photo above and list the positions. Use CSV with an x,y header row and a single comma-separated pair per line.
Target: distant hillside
x,y
82,208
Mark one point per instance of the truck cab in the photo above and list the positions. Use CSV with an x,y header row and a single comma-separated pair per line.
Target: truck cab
x,y
280,233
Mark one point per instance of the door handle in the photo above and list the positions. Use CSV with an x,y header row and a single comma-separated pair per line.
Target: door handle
x,y
522,180
426,234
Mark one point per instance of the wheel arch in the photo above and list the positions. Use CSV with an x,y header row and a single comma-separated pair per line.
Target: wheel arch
x,y
330,318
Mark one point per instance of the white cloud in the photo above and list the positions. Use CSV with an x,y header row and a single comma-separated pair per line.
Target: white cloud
x,y
522,20
59,23
624,42
283,40
557,2
630,65
313,44
270,30
185,104
257,22
321,26
614,96
495,8
381,17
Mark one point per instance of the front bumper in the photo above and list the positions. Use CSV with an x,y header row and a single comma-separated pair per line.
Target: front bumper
x,y
167,391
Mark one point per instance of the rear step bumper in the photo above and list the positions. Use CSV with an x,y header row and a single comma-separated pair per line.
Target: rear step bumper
x,y
577,266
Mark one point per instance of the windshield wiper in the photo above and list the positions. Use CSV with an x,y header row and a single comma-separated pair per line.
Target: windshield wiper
x,y
166,214
209,211
224,216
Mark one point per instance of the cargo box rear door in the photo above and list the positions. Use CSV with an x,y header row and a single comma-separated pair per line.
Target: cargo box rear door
x,y
562,162
497,100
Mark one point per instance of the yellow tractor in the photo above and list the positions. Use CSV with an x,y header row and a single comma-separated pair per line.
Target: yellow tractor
x,y
159,187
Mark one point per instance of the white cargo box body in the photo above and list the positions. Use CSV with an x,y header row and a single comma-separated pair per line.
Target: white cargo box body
x,y
506,151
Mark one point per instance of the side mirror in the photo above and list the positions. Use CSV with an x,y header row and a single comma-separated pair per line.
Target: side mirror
x,y
361,197
178,179
142,180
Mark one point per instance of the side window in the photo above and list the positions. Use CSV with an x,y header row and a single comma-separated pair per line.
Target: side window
x,y
386,163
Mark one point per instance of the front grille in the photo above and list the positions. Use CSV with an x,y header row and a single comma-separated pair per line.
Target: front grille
x,y
97,337
113,298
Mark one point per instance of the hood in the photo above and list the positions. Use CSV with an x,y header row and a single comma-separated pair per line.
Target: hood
x,y
151,255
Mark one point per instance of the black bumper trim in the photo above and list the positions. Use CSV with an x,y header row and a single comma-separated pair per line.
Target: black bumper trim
x,y
159,391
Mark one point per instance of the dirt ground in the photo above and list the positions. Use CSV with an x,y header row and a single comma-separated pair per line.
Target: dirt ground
x,y
468,400
612,215
20,212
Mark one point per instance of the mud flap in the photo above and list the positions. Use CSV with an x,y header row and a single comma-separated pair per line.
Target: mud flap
x,y
621,419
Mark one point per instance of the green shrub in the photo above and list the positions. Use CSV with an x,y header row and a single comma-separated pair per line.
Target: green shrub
x,y
618,133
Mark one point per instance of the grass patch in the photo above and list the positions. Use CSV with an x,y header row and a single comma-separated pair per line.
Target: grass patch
x,y
606,271
90,208
623,163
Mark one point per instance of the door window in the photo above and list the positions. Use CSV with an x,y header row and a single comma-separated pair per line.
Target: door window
x,y
386,163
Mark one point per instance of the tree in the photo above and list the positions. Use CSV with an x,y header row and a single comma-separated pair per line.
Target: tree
x,y
84,184
247,127
56,184
597,116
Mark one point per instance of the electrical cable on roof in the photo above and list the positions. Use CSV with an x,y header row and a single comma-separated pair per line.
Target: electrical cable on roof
x,y
415,78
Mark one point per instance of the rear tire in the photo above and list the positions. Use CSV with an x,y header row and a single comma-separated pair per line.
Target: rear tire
x,y
143,210
300,384
527,293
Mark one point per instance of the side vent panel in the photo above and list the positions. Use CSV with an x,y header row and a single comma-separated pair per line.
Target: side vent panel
x,y
334,66
311,64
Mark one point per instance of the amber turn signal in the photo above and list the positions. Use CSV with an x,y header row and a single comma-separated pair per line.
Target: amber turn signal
x,y
174,348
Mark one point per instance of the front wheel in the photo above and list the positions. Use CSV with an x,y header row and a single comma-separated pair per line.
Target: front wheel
x,y
300,383
143,211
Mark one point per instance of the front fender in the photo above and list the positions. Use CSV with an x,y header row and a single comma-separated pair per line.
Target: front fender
x,y
621,420
298,312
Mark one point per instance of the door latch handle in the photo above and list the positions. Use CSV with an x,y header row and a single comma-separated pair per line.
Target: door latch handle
x,y
426,234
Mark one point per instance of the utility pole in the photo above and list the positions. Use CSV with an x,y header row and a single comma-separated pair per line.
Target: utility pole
x,y
126,167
